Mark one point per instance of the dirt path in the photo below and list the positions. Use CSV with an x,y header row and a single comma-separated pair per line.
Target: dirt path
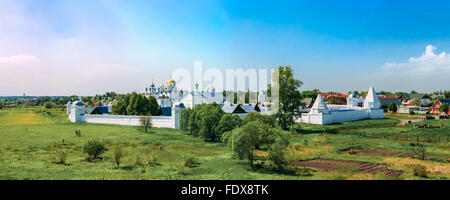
x,y
328,164
392,153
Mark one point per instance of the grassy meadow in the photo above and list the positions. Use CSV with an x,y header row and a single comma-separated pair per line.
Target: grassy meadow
x,y
30,139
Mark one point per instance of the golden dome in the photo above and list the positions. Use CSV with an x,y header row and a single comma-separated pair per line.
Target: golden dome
x,y
162,85
170,82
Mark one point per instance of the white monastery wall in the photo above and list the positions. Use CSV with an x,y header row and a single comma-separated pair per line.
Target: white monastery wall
x,y
157,121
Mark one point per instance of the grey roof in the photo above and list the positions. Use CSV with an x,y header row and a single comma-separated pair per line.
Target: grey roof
x,y
100,109
248,108
387,101
232,108
416,96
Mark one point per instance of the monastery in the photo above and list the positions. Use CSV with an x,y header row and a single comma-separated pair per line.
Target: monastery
x,y
321,113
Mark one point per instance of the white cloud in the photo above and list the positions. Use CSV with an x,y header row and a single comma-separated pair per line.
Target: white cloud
x,y
19,60
428,63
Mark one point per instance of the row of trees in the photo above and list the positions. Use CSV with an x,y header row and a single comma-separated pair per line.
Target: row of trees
x,y
136,104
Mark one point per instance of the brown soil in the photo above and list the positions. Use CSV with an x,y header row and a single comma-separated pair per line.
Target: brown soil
x,y
391,153
328,164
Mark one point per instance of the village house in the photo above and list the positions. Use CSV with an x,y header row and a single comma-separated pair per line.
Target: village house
x,y
423,98
435,107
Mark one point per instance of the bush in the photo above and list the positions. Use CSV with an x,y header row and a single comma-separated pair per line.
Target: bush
x,y
412,112
277,156
49,105
93,149
189,161
141,163
392,107
61,157
117,155
78,133
420,170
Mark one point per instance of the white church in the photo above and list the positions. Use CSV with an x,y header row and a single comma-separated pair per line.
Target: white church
x,y
321,113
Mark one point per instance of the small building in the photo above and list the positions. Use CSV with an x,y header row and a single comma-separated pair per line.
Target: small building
x,y
250,108
100,110
423,98
234,109
307,103
408,109
435,106
385,101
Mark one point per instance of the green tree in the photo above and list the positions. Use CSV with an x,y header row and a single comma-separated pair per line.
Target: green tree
x,y
392,107
94,148
334,101
289,97
444,108
146,122
414,101
208,119
227,123
184,120
246,139
49,105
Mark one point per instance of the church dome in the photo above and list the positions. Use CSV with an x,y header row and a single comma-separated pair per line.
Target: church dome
x,y
170,82
162,85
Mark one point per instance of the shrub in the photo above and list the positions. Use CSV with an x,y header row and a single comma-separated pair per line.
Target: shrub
x,y
49,105
146,122
117,155
61,157
141,163
277,156
420,150
189,161
412,112
93,149
420,170
78,133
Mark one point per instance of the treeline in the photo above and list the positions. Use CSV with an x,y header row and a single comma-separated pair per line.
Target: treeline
x,y
135,104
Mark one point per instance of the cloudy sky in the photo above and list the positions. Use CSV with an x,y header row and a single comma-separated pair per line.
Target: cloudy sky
x,y
88,47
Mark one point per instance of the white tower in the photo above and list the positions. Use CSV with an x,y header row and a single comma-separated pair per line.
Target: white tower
x,y
176,115
352,101
77,112
319,106
372,101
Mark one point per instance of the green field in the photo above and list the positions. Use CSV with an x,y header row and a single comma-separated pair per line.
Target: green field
x,y
30,139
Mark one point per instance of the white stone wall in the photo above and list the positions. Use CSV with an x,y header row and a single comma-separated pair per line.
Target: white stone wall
x,y
341,116
157,121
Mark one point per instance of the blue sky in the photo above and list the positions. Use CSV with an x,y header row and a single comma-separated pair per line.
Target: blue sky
x,y
88,47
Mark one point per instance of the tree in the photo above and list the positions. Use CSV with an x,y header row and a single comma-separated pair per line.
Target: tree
x,y
277,152
414,101
209,117
392,107
117,155
310,93
49,105
334,101
289,97
136,104
246,139
146,122
444,108
256,116
184,119
94,148
227,123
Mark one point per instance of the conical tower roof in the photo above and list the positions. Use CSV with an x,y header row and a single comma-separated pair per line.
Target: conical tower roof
x,y
372,96
319,105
